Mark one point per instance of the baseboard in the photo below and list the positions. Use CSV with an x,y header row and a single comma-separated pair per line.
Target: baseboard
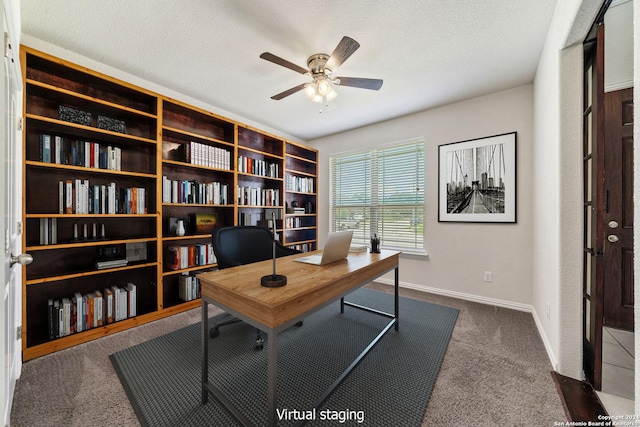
x,y
484,300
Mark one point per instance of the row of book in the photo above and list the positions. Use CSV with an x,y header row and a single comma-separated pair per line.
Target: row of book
x,y
179,257
203,155
255,196
302,247
292,222
301,184
188,287
65,151
80,197
48,231
185,191
83,312
258,167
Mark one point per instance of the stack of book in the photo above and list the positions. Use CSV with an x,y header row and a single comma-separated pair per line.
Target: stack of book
x,y
187,256
78,196
188,287
203,155
256,196
299,184
61,150
185,191
258,167
79,313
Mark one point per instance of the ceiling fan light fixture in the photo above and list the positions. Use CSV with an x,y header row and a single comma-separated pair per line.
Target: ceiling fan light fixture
x,y
311,89
324,87
320,90
320,67
331,95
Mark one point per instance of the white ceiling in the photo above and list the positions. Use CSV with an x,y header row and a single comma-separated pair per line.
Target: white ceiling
x,y
428,52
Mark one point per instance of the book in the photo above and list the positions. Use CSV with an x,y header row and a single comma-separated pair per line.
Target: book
x,y
45,141
101,265
79,303
108,305
132,299
97,309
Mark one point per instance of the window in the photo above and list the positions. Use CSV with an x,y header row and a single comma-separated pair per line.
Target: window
x,y
380,191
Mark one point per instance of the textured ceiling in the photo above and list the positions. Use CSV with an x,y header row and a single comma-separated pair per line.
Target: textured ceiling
x,y
428,52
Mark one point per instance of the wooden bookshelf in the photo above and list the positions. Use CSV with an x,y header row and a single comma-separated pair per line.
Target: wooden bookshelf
x,y
92,137
301,180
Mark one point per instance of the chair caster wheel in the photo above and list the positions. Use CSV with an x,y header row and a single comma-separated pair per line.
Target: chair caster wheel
x,y
299,323
259,344
214,332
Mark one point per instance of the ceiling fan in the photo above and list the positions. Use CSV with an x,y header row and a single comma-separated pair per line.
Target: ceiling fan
x,y
320,67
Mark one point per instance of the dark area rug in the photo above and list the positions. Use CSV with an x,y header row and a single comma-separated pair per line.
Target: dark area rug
x,y
391,386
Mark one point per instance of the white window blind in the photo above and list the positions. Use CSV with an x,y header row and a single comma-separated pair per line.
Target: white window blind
x,y
381,192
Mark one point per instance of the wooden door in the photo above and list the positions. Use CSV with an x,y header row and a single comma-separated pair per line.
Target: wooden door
x,y
618,210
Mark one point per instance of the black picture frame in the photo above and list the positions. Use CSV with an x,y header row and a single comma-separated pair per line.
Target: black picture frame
x,y
477,180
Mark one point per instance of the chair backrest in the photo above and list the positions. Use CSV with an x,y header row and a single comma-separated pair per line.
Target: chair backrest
x,y
241,245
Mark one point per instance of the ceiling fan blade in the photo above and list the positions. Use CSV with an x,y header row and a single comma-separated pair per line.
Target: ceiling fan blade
x,y
289,92
342,52
283,62
373,84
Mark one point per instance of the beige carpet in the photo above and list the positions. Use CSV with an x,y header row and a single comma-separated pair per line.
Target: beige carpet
x,y
495,372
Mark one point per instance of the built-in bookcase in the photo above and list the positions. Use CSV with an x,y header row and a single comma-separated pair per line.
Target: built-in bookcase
x,y
198,151
301,179
109,170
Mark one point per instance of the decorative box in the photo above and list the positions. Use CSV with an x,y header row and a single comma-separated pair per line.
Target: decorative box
x,y
73,115
108,123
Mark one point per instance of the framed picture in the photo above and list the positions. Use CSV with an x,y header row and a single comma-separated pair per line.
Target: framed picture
x,y
477,180
205,223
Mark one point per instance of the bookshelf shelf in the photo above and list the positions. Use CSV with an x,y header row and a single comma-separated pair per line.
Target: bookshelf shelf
x,y
91,243
88,273
68,94
86,132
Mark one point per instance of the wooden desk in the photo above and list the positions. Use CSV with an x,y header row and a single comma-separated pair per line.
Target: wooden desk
x,y
309,288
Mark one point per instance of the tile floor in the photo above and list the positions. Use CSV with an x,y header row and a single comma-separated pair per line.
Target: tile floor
x,y
618,357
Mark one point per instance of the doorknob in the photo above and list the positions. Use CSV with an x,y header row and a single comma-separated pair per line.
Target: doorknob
x,y
612,238
23,259
613,224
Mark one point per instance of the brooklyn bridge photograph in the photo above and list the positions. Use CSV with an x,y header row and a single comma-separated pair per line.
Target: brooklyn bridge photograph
x,y
477,180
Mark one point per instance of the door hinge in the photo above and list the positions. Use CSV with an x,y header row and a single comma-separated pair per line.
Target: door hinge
x,y
19,124
19,228
19,333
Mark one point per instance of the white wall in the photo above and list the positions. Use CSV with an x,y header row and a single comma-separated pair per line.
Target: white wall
x,y
558,223
459,253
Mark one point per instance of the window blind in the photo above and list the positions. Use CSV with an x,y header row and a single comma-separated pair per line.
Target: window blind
x,y
381,192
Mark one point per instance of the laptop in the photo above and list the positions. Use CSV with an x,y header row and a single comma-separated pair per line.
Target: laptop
x,y
336,248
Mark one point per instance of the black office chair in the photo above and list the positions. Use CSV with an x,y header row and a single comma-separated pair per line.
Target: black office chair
x,y
234,246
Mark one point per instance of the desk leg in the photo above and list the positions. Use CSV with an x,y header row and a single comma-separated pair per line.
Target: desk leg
x,y
204,321
272,377
396,302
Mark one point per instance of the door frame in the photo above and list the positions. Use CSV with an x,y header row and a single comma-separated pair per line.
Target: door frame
x,y
593,196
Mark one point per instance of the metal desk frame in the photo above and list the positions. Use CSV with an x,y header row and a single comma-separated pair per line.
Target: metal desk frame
x,y
272,348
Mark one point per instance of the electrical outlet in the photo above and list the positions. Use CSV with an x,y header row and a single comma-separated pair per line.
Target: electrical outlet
x,y
487,276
